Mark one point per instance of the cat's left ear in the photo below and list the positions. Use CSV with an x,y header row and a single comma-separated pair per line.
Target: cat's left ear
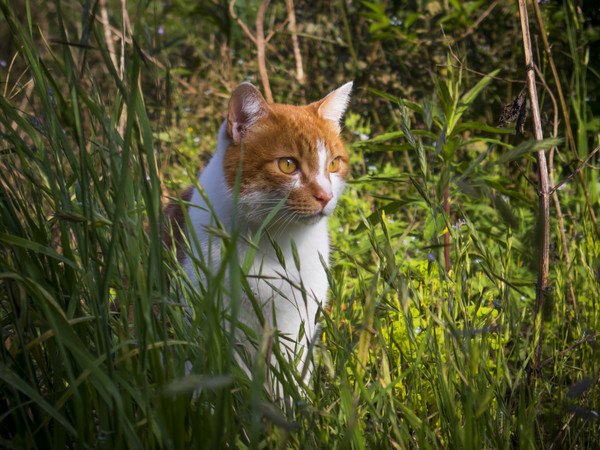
x,y
246,107
333,106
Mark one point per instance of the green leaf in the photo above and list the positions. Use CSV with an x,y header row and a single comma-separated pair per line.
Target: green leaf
x,y
472,94
36,247
480,126
528,147
14,381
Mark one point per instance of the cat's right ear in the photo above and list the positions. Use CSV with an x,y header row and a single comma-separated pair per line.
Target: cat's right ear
x,y
246,106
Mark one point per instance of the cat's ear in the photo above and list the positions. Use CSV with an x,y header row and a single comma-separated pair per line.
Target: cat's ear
x,y
246,106
333,106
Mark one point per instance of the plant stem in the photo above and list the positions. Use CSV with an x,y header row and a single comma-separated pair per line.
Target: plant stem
x,y
543,189
565,112
559,215
447,234
260,49
295,43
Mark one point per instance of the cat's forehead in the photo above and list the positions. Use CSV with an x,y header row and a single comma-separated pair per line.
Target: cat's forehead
x,y
300,126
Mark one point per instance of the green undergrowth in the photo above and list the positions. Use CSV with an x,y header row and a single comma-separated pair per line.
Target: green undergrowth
x,y
98,320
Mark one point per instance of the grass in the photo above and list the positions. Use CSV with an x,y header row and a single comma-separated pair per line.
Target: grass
x,y
96,335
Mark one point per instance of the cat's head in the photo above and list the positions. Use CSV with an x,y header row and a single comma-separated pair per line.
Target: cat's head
x,y
285,151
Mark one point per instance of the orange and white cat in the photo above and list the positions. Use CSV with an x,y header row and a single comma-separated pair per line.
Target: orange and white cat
x,y
284,152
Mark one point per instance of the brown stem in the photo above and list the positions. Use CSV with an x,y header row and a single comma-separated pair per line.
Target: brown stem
x,y
565,112
295,43
110,45
543,189
577,170
260,49
559,214
561,97
447,235
240,22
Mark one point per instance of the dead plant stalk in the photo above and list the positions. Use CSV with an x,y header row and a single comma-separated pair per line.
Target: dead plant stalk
x,y
543,187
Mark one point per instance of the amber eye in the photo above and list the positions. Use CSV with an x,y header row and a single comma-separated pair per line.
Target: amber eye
x,y
287,165
334,165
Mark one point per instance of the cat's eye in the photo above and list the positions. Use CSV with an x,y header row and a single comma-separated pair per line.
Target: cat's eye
x,y
334,165
287,165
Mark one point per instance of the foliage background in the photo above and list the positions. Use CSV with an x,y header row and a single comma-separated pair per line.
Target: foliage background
x,y
93,143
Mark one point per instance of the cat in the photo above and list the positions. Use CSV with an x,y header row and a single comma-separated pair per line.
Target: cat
x,y
291,159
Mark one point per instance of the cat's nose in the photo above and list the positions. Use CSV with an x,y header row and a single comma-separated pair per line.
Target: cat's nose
x,y
323,196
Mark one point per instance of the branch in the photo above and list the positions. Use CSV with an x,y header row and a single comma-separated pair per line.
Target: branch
x,y
295,44
241,23
260,49
565,112
543,190
576,171
559,214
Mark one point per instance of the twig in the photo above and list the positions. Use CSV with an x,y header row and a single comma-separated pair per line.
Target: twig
x,y
559,214
565,112
583,340
150,58
107,34
480,19
276,29
561,97
576,171
295,43
126,28
543,190
259,40
240,22
260,49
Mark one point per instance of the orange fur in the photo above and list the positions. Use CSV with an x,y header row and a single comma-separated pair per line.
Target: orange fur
x,y
285,131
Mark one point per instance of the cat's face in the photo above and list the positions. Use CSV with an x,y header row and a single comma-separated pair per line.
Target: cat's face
x,y
291,152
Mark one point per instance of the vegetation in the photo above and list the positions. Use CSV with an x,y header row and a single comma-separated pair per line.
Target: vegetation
x,y
432,337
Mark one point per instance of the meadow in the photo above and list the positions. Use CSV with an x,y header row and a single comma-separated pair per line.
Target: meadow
x,y
437,334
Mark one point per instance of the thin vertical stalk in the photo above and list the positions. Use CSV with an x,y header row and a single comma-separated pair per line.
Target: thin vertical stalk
x,y
565,111
543,187
260,49
296,45
447,234
559,215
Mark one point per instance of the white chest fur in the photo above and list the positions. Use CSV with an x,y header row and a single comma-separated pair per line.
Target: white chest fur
x,y
289,295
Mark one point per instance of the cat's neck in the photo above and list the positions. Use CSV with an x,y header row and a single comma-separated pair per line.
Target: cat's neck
x,y
212,180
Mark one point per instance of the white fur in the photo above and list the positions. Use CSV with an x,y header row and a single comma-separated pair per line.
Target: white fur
x,y
334,184
321,177
277,288
335,104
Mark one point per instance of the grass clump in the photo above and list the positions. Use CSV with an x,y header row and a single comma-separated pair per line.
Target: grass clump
x,y
420,348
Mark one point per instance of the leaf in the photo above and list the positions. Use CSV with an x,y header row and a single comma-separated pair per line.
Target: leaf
x,y
472,94
14,381
194,382
480,126
528,147
36,247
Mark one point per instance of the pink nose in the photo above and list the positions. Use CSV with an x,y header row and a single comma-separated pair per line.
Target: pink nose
x,y
323,197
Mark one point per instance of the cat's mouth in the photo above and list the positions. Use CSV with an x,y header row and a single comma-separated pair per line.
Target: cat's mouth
x,y
312,217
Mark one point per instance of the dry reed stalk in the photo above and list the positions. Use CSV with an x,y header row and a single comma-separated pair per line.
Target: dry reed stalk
x,y
543,188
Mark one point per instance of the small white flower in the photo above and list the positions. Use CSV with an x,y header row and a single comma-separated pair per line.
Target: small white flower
x,y
363,137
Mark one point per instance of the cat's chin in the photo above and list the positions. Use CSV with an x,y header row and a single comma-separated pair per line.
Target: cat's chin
x,y
312,218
